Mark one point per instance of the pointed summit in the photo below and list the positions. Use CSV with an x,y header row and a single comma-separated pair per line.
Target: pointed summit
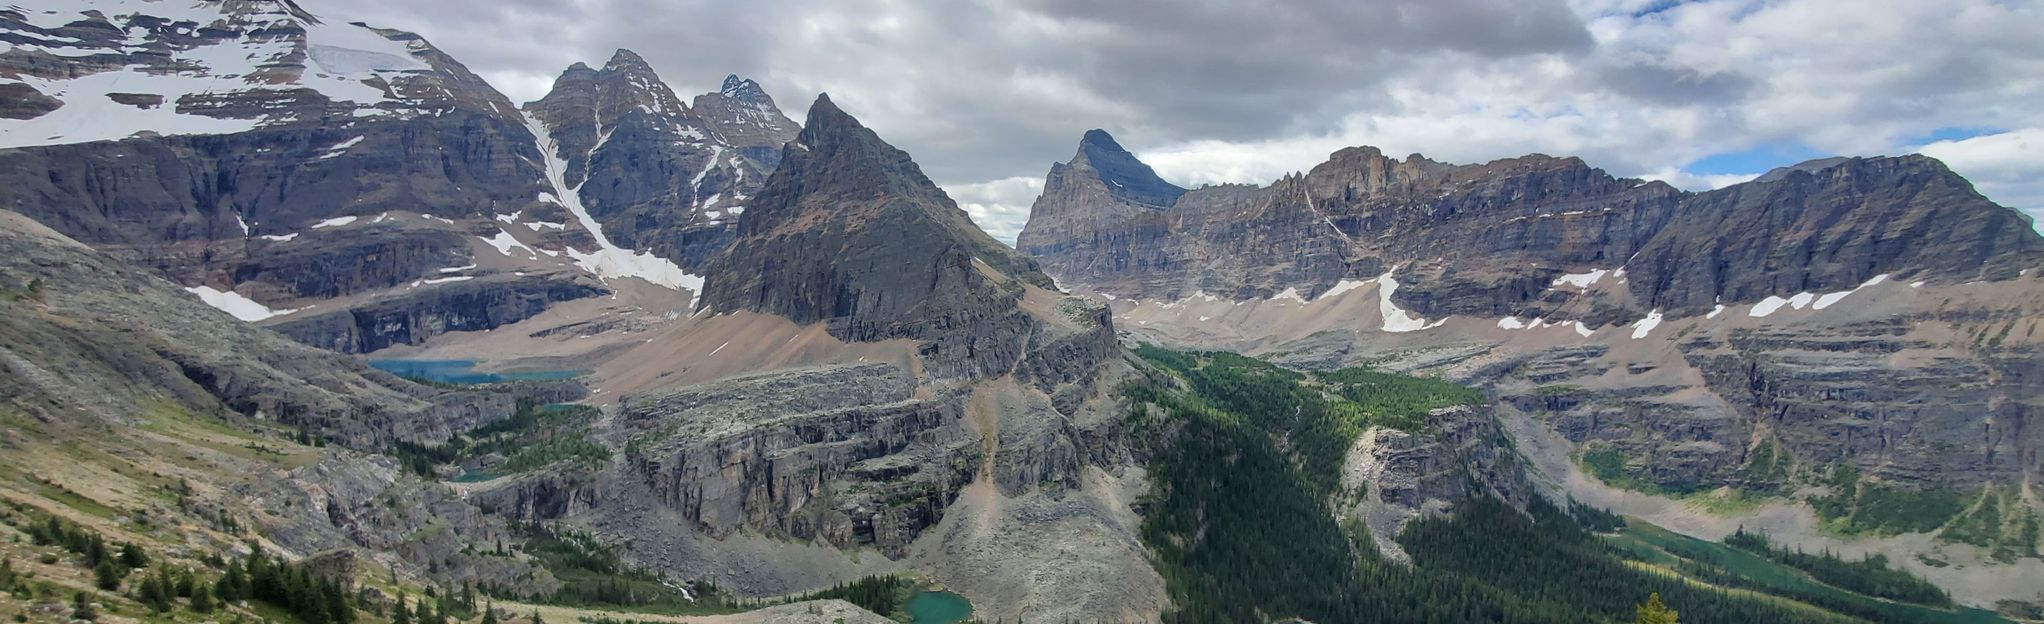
x,y
849,232
1102,184
743,89
1125,176
745,116
624,58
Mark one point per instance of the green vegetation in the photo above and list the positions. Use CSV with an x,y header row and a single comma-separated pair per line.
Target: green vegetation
x,y
1766,470
1859,506
294,591
592,575
1870,576
1238,519
882,594
1399,401
533,437
2001,522
1730,567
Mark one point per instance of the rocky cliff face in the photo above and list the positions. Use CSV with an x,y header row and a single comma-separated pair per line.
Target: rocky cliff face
x,y
287,161
256,149
1492,239
1836,312
849,232
656,173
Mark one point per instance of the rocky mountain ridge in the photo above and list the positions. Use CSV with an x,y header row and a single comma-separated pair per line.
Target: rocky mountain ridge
x,y
355,187
1864,317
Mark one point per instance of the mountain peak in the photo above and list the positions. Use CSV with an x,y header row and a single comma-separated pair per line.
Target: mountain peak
x,y
624,58
742,89
1126,176
848,231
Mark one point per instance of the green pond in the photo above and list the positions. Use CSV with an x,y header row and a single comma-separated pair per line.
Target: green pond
x,y
937,607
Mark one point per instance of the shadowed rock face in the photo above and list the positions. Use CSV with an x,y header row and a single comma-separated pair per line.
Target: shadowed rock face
x,y
849,232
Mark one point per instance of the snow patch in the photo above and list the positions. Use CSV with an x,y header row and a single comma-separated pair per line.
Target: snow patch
x,y
1583,330
1511,322
1581,280
503,242
1289,293
1395,319
1831,298
281,239
1767,306
340,148
1714,312
235,304
1646,325
456,269
443,280
1342,287
334,222
608,261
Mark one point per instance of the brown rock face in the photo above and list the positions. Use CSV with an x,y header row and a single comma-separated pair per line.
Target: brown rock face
x,y
848,231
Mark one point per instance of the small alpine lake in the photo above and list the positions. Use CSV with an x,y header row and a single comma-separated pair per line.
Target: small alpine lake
x,y
937,607
462,372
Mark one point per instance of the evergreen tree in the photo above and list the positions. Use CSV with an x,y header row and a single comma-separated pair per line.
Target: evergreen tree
x,y
424,613
490,614
132,557
1653,612
107,575
233,586
95,551
535,617
402,614
155,592
81,608
202,598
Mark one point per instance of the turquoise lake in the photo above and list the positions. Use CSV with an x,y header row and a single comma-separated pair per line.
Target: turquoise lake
x,y
937,607
461,371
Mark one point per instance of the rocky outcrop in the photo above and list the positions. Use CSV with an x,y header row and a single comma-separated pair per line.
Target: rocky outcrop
x,y
346,503
1392,477
849,232
850,455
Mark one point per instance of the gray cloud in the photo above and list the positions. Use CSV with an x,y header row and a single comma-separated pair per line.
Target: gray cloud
x,y
984,92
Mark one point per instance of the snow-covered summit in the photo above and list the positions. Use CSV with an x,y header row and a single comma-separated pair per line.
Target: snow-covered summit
x,y
96,70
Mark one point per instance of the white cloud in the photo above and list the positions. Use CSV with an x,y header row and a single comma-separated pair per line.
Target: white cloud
x,y
2008,166
1000,207
983,93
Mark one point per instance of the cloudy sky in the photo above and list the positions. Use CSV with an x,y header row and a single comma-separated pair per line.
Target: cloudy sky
x,y
986,94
